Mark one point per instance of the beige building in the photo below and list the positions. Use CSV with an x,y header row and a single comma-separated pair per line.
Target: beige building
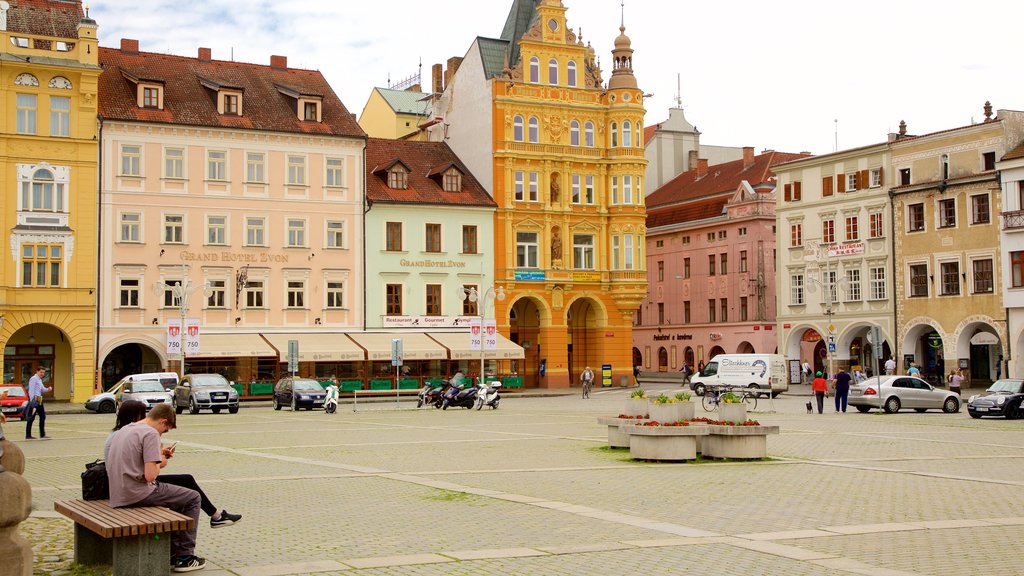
x,y
949,303
396,114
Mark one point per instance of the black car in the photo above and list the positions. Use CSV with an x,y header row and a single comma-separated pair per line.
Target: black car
x,y
1003,398
298,393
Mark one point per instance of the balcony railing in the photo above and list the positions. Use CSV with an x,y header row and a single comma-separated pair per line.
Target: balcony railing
x,y
1013,220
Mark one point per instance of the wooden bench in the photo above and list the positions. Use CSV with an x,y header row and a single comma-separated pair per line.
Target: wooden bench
x,y
135,541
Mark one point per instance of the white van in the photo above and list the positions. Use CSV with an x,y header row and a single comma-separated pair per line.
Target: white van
x,y
764,371
151,388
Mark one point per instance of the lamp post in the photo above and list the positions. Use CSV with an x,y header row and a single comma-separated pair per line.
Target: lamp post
x,y
482,300
181,292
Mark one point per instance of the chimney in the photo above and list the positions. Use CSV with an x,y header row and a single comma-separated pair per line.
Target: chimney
x,y
453,65
748,157
205,55
279,62
414,88
702,167
691,160
437,78
903,128
129,46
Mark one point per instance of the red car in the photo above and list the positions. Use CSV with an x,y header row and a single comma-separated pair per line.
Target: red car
x,y
13,406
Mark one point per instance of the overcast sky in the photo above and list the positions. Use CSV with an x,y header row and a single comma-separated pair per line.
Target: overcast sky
x,y
764,74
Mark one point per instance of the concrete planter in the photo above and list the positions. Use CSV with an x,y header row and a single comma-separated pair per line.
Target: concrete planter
x,y
737,441
616,437
675,412
732,412
664,443
636,407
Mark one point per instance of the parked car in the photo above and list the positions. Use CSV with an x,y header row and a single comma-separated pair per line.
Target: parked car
x,y
205,392
298,393
891,393
14,405
107,402
1002,398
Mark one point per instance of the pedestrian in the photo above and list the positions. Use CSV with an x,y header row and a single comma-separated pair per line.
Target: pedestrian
x,y
134,462
132,411
890,366
842,390
687,373
35,407
805,370
587,377
914,370
956,378
700,366
820,387
636,375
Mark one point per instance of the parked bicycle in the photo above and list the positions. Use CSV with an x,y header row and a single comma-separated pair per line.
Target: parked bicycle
x,y
717,395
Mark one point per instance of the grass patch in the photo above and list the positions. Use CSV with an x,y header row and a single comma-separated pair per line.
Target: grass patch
x,y
453,496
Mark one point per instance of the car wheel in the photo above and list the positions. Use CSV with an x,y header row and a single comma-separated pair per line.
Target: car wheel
x,y
922,410
106,407
892,405
863,409
193,408
216,410
951,406
699,389
277,405
233,410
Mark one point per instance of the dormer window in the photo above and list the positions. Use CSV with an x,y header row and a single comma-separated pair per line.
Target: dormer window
x,y
398,178
453,181
229,103
151,96
309,109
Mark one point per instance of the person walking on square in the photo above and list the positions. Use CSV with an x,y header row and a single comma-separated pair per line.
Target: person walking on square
x,y
636,374
914,370
819,386
587,377
805,370
687,373
35,407
842,390
890,366
956,378
134,462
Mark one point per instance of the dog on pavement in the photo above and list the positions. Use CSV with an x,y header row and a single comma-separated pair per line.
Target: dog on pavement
x,y
809,409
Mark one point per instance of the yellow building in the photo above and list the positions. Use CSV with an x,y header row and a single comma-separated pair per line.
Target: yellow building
x,y
396,114
562,155
946,206
48,158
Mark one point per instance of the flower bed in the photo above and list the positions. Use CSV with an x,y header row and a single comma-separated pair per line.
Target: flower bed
x,y
616,438
745,440
654,441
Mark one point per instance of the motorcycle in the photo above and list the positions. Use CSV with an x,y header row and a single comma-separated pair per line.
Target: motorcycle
x,y
459,395
487,395
430,395
331,400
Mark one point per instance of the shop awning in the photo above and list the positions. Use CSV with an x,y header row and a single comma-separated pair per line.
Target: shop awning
x,y
458,344
415,345
318,347
232,345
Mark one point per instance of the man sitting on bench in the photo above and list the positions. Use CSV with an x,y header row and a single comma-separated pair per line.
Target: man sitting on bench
x,y
133,467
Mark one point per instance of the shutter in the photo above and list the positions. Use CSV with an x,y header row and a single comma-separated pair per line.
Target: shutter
x,y
826,186
864,180
881,176
788,193
796,191
840,183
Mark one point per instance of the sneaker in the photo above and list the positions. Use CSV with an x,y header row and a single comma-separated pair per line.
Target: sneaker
x,y
30,437
225,519
187,563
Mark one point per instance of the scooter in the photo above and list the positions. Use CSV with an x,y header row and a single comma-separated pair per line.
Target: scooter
x,y
331,400
429,395
459,395
487,395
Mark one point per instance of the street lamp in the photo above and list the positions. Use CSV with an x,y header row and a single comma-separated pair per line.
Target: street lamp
x,y
828,286
474,295
181,292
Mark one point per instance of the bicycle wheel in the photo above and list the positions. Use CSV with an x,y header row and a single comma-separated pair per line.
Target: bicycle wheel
x,y
751,400
708,403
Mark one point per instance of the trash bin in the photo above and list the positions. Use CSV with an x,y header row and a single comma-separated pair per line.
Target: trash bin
x,y
624,381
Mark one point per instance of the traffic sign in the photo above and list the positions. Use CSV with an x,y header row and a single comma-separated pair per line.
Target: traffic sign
x,y
293,356
832,347
396,352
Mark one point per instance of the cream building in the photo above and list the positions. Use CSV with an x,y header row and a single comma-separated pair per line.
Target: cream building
x,y
396,114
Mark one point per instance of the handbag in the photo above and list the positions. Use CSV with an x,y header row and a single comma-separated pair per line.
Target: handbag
x,y
95,485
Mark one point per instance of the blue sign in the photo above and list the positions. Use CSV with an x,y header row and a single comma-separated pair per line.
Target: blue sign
x,y
530,275
831,346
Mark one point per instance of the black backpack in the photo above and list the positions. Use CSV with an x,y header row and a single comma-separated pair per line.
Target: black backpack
x,y
95,485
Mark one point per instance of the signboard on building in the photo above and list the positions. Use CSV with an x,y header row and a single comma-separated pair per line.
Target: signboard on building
x,y
606,375
173,336
191,336
475,334
425,322
846,249
586,276
530,275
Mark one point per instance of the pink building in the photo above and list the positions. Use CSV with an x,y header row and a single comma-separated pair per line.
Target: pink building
x,y
710,264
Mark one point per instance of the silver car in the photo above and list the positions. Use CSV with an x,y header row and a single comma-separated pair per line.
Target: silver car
x,y
891,393
205,391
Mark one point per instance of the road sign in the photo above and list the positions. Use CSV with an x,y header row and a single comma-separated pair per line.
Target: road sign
x,y
831,328
475,333
293,356
396,352
832,347
876,340
490,334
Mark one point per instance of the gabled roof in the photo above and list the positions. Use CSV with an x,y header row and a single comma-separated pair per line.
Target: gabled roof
x,y
269,101
406,102
1017,152
521,17
425,161
492,55
57,18
649,132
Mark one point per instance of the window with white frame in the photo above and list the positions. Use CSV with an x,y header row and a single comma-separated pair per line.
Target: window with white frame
x,y
553,72
950,272
588,190
174,229
254,294
296,233
851,182
743,261
588,134
255,231
216,294
131,160
576,188
878,287
980,211
217,230
915,218
517,128
574,133
41,265
796,289
43,191
150,97
830,279
26,113
216,165
335,295
398,178
617,253
534,186
615,190
60,116
453,180
534,70
335,234
947,213
852,228
828,231
128,293
571,69
583,251
335,173
627,252
875,177
130,226
627,189
796,235
296,170
174,163
534,130
983,276
519,187
296,294
853,285
877,225
255,167
527,248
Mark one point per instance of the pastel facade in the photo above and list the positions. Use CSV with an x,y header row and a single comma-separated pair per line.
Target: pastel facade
x,y
949,297
835,259
48,158
244,180
562,155
396,114
1011,173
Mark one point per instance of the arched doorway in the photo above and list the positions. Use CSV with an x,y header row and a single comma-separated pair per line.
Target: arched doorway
x,y
689,358
980,345
129,358
524,329
715,352
923,345
745,348
662,360
40,346
584,337
638,358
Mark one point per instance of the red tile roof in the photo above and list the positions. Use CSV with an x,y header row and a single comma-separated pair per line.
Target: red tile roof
x,y
58,18
1017,152
649,132
690,197
266,103
425,161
